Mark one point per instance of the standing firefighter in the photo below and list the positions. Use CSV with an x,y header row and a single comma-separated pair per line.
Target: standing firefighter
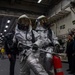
x,y
46,34
25,38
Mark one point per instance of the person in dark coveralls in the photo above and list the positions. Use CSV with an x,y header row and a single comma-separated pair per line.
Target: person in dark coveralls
x,y
11,51
73,55
69,50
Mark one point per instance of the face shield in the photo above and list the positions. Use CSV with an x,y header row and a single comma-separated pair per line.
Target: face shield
x,y
23,24
43,22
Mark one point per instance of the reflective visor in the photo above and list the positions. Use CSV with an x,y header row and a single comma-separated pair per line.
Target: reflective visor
x,y
43,20
24,21
23,24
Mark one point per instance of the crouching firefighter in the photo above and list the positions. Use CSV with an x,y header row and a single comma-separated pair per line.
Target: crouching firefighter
x,y
26,43
46,34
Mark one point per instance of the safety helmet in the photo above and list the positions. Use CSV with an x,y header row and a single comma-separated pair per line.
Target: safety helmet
x,y
43,21
23,22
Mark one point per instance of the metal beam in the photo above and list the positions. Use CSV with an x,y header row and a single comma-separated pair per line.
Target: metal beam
x,y
12,1
52,4
23,8
16,15
33,3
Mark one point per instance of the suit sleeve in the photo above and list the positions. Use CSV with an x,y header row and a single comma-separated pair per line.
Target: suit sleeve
x,y
40,42
55,39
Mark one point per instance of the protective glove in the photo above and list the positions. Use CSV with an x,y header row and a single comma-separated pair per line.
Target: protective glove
x,y
35,47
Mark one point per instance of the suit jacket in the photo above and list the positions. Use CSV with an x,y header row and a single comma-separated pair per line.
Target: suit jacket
x,y
69,49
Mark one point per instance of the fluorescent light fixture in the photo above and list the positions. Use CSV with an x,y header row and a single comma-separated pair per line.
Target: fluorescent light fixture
x,y
8,21
0,38
6,26
5,30
39,1
0,41
0,33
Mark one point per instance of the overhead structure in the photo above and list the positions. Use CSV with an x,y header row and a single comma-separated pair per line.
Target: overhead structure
x,y
10,10
36,7
58,16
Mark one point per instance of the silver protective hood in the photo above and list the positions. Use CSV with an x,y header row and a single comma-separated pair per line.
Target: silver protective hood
x,y
18,30
23,16
39,26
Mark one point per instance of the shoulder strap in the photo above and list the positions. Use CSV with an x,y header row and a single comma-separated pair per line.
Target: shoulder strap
x,y
33,38
50,34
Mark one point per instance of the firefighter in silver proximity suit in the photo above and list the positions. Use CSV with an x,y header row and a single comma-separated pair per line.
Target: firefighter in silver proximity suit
x,y
28,57
46,33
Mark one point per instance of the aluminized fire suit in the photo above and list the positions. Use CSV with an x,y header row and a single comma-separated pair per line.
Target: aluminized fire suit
x,y
44,33
28,58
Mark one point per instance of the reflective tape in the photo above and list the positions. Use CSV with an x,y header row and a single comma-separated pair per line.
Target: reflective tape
x,y
58,70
